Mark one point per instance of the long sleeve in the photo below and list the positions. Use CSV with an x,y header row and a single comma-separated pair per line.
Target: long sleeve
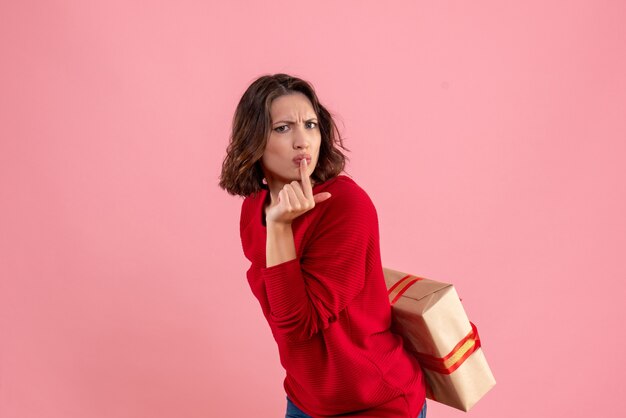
x,y
307,294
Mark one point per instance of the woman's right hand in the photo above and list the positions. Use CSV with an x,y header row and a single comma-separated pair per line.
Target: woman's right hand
x,y
294,199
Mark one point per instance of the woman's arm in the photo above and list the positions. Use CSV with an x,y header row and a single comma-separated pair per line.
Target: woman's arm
x,y
280,246
293,200
306,295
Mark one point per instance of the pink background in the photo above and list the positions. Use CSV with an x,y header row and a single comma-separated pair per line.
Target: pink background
x,y
491,136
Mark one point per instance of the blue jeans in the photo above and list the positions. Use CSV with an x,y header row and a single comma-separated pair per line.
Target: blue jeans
x,y
295,412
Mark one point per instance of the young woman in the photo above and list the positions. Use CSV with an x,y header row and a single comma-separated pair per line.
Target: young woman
x,y
311,235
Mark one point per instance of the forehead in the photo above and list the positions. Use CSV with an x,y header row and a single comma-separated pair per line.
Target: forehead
x,y
293,104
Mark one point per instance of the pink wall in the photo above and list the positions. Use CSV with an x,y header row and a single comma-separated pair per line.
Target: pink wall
x,y
489,135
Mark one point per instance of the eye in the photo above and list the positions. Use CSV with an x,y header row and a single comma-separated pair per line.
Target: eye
x,y
311,124
281,128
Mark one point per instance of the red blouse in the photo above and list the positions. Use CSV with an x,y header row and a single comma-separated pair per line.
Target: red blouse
x,y
328,309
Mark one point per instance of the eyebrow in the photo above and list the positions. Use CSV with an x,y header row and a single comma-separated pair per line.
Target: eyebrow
x,y
291,122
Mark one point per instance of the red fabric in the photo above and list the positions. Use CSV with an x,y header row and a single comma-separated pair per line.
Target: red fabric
x,y
329,310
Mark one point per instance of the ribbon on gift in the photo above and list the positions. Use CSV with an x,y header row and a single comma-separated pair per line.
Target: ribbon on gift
x,y
401,286
453,360
456,357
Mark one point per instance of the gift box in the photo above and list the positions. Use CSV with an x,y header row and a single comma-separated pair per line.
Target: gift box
x,y
431,319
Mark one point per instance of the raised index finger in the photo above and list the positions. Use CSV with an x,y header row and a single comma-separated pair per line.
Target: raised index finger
x,y
306,181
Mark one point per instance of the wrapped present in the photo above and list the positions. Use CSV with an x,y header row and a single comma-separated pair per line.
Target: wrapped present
x,y
431,319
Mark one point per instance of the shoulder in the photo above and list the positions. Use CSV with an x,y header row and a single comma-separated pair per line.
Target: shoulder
x,y
346,190
347,197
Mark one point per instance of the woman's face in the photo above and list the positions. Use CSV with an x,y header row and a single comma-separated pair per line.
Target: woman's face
x,y
294,135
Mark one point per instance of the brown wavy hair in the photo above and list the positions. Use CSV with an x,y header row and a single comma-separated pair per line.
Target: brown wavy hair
x,y
241,169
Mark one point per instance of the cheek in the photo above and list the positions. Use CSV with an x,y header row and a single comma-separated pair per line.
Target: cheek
x,y
272,154
270,149
318,145
268,159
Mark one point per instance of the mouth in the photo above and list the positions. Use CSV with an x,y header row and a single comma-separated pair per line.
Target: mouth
x,y
302,157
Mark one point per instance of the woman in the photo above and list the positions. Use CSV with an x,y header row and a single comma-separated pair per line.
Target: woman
x,y
311,235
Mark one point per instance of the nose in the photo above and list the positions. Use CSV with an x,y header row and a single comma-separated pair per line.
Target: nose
x,y
300,138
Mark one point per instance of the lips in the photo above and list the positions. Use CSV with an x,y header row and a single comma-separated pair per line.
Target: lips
x,y
301,157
